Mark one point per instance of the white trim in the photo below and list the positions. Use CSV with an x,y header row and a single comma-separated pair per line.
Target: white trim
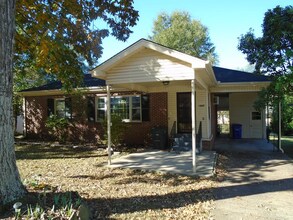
x,y
119,96
193,123
86,90
109,123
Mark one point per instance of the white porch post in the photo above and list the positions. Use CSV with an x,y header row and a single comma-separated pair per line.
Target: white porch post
x,y
108,102
280,126
193,125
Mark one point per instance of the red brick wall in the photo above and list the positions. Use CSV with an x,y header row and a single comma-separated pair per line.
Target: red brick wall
x,y
80,130
139,133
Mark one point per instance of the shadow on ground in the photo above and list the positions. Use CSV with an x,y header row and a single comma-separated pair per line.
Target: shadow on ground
x,y
37,152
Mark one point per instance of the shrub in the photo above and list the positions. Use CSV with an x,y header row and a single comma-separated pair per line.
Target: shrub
x,y
57,127
118,129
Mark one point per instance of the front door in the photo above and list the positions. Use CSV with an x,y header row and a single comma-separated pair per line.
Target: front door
x,y
184,112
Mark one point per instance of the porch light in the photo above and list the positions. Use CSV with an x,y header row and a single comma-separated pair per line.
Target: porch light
x,y
165,83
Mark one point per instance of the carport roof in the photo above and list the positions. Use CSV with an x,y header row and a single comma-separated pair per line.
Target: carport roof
x,y
224,75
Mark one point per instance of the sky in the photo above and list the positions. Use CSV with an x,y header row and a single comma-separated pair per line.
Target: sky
x,y
226,21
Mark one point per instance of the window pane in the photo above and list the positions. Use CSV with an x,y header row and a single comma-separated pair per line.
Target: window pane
x,y
136,102
256,116
136,109
101,114
120,106
136,115
101,103
101,108
60,108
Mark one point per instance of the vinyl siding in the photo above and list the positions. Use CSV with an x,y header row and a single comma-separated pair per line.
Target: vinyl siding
x,y
149,66
241,106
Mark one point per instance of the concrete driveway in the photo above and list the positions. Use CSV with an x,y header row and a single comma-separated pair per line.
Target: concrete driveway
x,y
258,185
244,145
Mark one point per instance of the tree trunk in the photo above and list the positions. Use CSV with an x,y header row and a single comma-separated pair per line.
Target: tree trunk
x,y
11,187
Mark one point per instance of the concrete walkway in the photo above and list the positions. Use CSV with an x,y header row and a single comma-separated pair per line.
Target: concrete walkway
x,y
168,162
259,185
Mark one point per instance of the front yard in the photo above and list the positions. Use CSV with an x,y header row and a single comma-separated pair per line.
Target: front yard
x,y
115,193
287,144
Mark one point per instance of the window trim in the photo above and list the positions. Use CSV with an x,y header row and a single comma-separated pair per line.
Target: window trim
x,y
65,112
130,110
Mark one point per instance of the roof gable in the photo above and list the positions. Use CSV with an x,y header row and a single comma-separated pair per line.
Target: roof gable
x,y
100,71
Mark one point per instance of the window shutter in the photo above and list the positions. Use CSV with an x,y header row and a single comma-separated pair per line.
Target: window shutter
x,y
50,107
68,108
91,109
145,107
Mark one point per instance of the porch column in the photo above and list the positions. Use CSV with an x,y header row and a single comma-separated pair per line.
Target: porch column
x,y
108,102
193,123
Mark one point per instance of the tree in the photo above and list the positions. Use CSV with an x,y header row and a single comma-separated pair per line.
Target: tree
x,y
178,31
52,37
272,55
58,37
10,184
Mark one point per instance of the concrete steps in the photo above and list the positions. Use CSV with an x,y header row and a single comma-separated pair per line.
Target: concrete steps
x,y
183,142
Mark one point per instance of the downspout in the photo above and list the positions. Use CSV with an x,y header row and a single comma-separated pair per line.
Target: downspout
x,y
24,115
108,103
193,122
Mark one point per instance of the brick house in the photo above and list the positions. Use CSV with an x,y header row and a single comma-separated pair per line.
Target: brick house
x,y
151,85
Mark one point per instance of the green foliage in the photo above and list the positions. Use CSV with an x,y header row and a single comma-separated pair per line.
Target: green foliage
x,y
59,37
64,206
180,32
272,55
118,130
57,127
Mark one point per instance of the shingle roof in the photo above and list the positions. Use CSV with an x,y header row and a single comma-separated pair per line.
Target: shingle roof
x,y
88,81
224,75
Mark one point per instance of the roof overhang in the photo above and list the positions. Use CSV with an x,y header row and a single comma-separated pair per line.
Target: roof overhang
x,y
240,87
60,91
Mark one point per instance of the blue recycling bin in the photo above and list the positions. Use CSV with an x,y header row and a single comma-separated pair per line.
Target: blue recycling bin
x,y
237,131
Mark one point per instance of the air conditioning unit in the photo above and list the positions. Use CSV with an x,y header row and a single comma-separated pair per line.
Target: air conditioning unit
x,y
216,100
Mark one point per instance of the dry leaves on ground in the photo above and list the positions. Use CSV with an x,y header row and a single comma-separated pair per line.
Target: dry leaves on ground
x,y
116,193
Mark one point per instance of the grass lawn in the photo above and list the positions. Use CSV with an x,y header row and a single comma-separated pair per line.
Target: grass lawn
x,y
115,193
287,145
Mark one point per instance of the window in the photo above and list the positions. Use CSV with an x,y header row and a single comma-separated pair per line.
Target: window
x,y
255,115
60,107
128,107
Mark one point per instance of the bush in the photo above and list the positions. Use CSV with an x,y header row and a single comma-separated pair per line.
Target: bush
x,y
118,129
57,127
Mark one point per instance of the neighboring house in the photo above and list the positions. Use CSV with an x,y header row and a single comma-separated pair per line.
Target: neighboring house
x,y
151,85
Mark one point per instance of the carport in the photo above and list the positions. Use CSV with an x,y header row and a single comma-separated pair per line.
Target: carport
x,y
244,145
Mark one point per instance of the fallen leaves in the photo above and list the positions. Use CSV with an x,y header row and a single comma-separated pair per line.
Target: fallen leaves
x,y
120,193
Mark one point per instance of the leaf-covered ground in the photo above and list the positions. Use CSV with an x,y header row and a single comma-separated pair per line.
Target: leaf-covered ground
x,y
115,193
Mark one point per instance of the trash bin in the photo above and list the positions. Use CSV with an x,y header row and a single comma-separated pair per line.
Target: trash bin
x,y
159,137
237,131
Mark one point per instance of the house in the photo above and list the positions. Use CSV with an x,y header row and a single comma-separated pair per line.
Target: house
x,y
151,85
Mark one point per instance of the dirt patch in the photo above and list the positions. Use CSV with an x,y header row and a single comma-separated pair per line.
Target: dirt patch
x,y
116,193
